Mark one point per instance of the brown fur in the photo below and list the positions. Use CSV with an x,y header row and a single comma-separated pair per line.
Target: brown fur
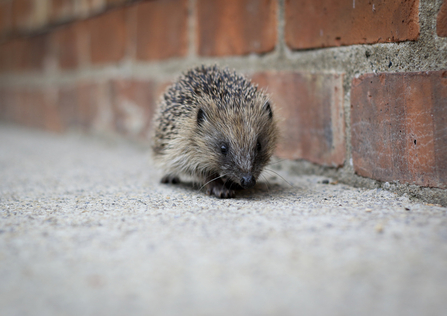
x,y
205,109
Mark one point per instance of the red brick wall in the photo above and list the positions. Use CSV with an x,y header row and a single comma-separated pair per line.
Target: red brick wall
x,y
361,85
321,23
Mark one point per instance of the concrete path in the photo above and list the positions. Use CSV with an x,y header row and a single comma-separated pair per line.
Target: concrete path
x,y
86,229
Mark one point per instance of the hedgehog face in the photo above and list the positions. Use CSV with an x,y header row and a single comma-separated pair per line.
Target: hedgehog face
x,y
242,164
239,141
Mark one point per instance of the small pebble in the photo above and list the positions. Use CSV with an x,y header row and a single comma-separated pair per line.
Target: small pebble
x,y
368,210
379,228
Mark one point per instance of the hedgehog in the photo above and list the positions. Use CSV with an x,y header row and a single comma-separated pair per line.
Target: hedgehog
x,y
216,126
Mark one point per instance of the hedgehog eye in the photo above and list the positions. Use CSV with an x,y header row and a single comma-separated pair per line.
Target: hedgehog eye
x,y
224,149
258,146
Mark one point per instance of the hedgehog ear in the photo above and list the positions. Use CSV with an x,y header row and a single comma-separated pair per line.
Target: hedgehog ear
x,y
266,107
200,117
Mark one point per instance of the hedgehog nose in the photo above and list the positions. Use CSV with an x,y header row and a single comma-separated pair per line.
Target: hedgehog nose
x,y
248,181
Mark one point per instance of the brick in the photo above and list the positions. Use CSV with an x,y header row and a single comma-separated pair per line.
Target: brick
x,y
28,106
65,42
11,106
311,109
398,127
441,23
78,105
108,37
3,103
5,17
7,104
22,12
35,53
34,56
324,23
58,109
236,27
133,104
25,54
70,45
61,10
162,28
42,110
11,54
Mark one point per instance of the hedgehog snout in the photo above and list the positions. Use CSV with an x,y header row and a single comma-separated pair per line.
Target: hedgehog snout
x,y
248,181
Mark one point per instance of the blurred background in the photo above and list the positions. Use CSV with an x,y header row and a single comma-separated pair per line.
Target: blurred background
x,y
98,66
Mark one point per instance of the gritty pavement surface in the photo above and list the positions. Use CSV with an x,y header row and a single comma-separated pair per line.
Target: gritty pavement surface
x,y
86,229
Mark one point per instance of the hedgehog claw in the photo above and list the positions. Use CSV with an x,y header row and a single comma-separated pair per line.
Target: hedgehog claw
x,y
170,179
219,190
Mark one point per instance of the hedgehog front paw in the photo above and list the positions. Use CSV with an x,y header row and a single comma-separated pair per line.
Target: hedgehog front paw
x,y
218,189
170,179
